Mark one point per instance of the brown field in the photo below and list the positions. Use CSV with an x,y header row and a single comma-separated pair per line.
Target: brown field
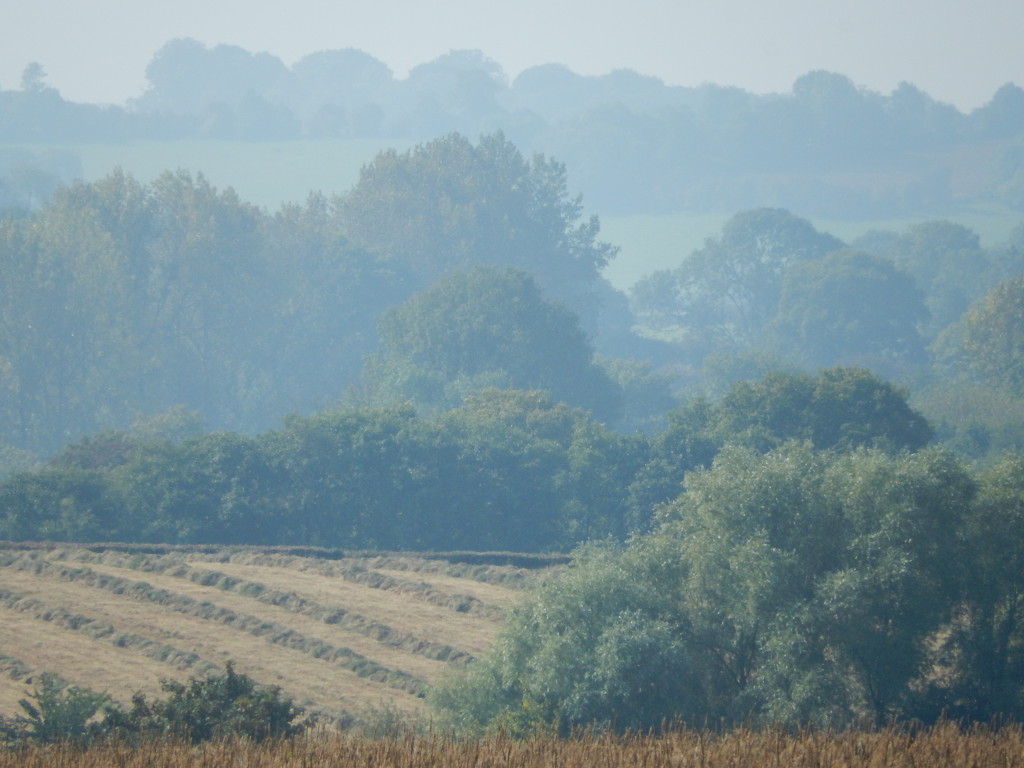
x,y
343,636
942,746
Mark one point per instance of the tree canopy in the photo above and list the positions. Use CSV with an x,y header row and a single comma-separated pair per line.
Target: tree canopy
x,y
487,327
788,587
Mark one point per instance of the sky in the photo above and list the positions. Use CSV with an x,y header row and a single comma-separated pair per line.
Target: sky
x,y
959,52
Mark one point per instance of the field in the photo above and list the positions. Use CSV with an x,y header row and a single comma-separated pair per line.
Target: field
x,y
939,747
344,636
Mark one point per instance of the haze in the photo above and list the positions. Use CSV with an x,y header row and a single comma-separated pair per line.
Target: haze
x,y
957,52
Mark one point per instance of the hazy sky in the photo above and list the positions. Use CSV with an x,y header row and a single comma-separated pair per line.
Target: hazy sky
x,y
957,51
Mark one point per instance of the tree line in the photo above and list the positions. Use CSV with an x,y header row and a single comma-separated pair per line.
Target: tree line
x,y
636,144
455,266
508,470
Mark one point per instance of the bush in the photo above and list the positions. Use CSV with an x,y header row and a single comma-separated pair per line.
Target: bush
x,y
57,712
219,706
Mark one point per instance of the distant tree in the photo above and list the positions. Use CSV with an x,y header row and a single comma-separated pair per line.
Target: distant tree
x,y
850,308
990,336
840,408
488,327
731,287
33,78
450,205
340,93
457,91
948,264
1003,115
187,77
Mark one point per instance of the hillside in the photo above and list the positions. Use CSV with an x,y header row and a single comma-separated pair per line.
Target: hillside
x,y
343,635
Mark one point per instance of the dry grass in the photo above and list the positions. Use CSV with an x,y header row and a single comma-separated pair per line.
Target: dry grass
x,y
338,636
943,745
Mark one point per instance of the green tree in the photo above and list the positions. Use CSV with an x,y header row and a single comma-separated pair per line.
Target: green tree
x,y
990,336
231,705
948,263
840,408
450,205
489,327
599,645
850,308
792,586
992,675
54,712
536,475
60,504
731,287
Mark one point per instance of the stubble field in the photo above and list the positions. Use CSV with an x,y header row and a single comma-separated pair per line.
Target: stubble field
x,y
346,637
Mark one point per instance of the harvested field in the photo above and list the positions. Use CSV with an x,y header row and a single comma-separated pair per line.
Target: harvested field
x,y
342,636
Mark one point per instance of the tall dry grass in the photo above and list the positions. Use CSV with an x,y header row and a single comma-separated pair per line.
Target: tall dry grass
x,y
942,745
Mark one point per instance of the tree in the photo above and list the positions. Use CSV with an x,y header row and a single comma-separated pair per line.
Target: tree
x,y
534,474
948,263
449,205
850,308
598,646
731,287
340,92
786,587
57,712
841,409
489,327
992,676
187,77
230,705
990,336
33,78
457,91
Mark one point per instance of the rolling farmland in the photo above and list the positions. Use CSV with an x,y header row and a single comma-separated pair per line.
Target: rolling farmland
x,y
343,636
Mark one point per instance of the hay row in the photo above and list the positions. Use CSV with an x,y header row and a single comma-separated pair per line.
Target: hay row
x,y
357,572
289,601
14,668
270,631
102,630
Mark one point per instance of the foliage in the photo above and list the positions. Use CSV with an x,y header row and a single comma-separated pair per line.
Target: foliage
x,y
840,409
449,205
850,308
788,587
56,712
216,707
487,327
731,287
507,470
990,336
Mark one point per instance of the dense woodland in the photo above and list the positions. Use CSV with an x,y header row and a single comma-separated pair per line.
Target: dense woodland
x,y
792,463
